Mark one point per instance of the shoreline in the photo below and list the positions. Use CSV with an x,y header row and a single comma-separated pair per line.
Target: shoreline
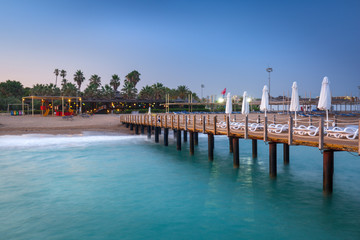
x,y
20,125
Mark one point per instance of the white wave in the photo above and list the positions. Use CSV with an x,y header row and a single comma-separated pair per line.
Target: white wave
x,y
46,140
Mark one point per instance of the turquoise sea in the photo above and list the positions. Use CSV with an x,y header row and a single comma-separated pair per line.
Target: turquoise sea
x,y
101,186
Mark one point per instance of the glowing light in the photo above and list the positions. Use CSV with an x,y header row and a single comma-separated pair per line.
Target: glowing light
x,y
220,100
248,100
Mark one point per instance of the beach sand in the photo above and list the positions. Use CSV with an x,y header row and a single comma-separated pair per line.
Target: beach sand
x,y
18,125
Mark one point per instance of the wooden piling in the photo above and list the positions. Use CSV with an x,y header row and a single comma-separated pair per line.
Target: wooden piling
x,y
328,171
185,136
231,149
142,129
178,139
196,138
272,159
254,148
236,154
166,136
127,125
148,131
191,136
157,134
211,147
137,129
131,126
286,153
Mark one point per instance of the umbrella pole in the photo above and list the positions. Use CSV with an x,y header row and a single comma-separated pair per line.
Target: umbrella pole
x,y
265,112
295,119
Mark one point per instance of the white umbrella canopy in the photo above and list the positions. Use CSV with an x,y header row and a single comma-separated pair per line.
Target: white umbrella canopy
x,y
245,104
295,105
264,106
228,108
325,98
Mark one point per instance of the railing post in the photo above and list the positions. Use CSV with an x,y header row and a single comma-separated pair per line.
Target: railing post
x,y
194,123
290,136
204,125
321,134
265,130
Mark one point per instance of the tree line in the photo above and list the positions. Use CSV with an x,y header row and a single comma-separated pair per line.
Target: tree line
x,y
11,91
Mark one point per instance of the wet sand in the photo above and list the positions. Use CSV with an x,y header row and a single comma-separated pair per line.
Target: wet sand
x,y
18,125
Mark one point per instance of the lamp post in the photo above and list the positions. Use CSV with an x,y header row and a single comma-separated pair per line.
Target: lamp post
x,y
202,87
269,70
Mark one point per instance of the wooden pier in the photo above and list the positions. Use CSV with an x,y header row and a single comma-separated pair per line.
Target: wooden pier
x,y
274,129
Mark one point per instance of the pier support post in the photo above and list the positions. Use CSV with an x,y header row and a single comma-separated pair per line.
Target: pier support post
x,y
196,138
156,134
142,129
211,146
236,152
185,136
137,129
328,171
149,132
286,153
131,127
191,136
272,159
254,148
178,139
127,125
166,136
231,142
174,133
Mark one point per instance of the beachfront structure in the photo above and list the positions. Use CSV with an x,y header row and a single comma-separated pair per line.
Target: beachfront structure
x,y
64,100
255,127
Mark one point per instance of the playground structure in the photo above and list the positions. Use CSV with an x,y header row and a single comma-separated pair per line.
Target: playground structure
x,y
47,105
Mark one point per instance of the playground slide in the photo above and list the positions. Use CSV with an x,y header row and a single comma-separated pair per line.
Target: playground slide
x,y
46,112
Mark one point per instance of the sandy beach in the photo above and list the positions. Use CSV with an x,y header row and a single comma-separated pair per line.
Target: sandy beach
x,y
18,125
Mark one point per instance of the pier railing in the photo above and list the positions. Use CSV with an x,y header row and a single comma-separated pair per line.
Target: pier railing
x,y
307,131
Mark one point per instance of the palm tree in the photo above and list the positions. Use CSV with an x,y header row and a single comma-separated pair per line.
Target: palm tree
x,y
182,91
56,74
115,82
63,73
133,77
129,91
79,78
158,91
146,93
95,80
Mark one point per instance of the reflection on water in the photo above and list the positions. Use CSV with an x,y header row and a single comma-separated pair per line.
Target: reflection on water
x,y
115,187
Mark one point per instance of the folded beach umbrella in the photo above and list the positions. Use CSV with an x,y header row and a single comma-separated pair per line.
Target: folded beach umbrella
x,y
228,108
294,105
325,98
245,104
264,106
149,112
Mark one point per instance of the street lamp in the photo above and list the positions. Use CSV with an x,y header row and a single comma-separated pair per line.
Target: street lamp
x,y
202,87
269,70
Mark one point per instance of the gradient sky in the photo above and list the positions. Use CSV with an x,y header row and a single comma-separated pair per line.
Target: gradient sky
x,y
221,44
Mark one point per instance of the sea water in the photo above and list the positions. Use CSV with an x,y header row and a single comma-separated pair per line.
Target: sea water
x,y
100,186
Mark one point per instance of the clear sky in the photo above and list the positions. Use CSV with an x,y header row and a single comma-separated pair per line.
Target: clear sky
x,y
221,44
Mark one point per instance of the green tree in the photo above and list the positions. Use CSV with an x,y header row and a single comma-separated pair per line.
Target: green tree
x,y
158,91
129,91
63,73
11,89
45,90
56,72
79,78
115,82
182,92
68,89
133,77
92,92
95,80
107,92
146,93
